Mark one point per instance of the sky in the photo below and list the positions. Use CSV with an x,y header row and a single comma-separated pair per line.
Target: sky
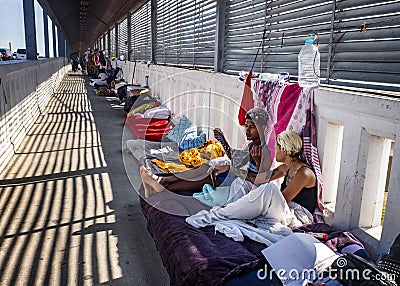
x,y
12,26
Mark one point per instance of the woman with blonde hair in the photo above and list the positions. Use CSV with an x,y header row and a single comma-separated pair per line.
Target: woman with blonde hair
x,y
292,205
300,183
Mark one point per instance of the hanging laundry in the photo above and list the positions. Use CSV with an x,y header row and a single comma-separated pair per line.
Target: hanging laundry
x,y
247,99
290,107
287,104
310,151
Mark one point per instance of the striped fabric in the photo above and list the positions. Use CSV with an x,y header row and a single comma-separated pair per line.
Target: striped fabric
x,y
310,151
301,120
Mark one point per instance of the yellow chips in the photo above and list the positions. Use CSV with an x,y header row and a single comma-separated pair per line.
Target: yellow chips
x,y
193,157
196,156
167,167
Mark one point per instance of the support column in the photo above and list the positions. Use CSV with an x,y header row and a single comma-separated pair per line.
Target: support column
x,y
116,41
330,49
129,20
61,44
46,35
67,49
54,40
109,44
222,6
153,30
391,224
30,30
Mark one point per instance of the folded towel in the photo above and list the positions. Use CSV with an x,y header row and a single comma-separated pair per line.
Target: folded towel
x,y
211,197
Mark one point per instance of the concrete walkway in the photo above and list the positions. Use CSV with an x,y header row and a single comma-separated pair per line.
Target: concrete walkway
x,y
68,213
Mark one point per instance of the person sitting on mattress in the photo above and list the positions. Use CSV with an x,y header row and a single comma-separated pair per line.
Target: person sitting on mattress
x,y
259,161
268,208
292,205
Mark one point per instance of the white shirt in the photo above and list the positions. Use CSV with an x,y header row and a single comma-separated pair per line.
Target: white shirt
x,y
87,56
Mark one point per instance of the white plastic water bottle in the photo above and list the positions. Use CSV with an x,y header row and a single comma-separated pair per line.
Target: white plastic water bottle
x,y
309,64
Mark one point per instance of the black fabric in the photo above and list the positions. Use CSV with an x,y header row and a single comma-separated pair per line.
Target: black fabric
x,y
352,270
337,239
307,197
130,101
122,92
136,101
74,65
391,261
102,59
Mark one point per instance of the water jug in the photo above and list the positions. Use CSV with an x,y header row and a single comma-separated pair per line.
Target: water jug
x,y
309,63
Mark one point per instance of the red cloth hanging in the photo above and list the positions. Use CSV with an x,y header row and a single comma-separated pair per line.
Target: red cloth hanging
x,y
247,99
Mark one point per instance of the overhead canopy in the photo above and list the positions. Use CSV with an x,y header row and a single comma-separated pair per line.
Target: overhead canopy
x,y
83,21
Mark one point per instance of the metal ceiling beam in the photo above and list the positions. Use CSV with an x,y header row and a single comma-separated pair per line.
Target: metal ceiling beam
x,y
83,22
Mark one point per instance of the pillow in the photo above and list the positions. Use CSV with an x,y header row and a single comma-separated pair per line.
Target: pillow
x,y
191,140
160,112
141,109
176,134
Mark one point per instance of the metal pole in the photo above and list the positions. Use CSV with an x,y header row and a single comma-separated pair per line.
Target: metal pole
x,y
109,44
67,48
330,51
129,20
54,40
153,30
116,41
222,6
263,39
61,44
30,30
46,35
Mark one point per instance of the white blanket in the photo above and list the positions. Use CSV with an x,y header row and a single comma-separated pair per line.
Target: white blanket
x,y
142,149
97,81
265,206
238,229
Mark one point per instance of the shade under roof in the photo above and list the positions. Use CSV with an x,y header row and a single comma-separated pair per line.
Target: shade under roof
x,y
83,21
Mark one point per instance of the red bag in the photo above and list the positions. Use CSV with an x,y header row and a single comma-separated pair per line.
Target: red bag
x,y
151,129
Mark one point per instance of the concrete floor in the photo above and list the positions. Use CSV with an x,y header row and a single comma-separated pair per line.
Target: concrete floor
x,y
68,212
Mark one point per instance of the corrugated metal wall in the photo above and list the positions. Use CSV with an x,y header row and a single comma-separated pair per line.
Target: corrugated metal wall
x,y
123,38
373,55
141,34
112,42
359,40
186,33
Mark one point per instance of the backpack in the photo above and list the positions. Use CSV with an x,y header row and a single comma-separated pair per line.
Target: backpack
x,y
122,92
130,101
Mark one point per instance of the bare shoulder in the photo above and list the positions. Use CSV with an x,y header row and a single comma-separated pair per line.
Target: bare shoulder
x,y
308,173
